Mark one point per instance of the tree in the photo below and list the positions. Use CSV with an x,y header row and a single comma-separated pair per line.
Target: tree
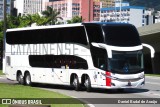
x,y
29,20
51,15
26,20
75,19
13,22
1,30
39,20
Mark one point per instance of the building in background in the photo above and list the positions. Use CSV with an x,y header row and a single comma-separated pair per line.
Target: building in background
x,y
107,3
89,10
125,14
157,17
29,6
1,8
152,16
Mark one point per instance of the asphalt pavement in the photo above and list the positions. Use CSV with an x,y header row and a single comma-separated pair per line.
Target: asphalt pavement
x,y
150,90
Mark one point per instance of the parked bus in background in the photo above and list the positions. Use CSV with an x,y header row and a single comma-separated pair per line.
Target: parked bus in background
x,y
90,55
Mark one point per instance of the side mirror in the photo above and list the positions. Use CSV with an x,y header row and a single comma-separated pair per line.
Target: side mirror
x,y
151,49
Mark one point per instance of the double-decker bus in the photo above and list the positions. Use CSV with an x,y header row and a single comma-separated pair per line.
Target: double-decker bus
x,y
90,55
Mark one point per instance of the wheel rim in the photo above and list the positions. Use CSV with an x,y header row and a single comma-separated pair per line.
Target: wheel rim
x,y
75,82
28,80
86,83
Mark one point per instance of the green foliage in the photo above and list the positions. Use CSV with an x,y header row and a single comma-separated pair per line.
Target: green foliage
x,y
39,20
153,75
146,3
51,15
22,21
75,19
1,73
1,30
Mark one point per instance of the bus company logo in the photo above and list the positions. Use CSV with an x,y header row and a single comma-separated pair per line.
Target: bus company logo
x,y
38,49
129,83
6,101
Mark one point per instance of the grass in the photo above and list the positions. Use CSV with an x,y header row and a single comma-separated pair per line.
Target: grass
x,y
154,75
1,73
19,91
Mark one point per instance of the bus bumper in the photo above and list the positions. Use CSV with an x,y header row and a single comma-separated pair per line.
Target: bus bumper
x,y
121,84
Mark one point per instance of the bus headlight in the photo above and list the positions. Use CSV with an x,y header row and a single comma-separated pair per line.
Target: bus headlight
x,y
111,77
141,76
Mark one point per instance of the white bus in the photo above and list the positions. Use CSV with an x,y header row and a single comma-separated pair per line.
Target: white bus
x,y
90,55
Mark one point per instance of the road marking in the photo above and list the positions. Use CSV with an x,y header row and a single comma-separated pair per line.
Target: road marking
x,y
90,105
153,83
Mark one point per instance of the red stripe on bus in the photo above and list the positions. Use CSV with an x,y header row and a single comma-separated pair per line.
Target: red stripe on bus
x,y
108,80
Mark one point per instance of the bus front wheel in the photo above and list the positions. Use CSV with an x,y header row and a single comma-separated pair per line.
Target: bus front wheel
x,y
76,83
28,79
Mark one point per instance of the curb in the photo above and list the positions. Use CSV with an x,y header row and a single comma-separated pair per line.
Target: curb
x,y
2,75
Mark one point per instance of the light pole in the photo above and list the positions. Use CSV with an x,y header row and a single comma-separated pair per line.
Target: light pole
x,y
4,24
89,10
4,29
120,10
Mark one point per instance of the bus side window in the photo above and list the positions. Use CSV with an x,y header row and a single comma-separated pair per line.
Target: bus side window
x,y
8,60
57,61
101,63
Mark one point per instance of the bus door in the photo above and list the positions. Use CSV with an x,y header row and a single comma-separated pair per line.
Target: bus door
x,y
101,78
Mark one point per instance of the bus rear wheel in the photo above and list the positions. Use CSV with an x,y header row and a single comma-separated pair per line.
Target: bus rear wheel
x,y
28,79
20,78
76,83
87,84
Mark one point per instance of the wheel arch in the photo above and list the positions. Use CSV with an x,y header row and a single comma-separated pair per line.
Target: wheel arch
x,y
83,77
73,75
18,72
26,72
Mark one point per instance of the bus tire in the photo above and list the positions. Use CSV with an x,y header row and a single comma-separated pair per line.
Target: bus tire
x,y
87,84
76,83
20,79
27,79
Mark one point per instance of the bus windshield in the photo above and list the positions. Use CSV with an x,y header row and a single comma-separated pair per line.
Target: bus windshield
x,y
125,35
126,62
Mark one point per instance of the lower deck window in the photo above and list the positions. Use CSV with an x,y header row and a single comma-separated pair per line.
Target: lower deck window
x,y
57,61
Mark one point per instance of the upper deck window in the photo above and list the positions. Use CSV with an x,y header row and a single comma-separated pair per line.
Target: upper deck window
x,y
51,35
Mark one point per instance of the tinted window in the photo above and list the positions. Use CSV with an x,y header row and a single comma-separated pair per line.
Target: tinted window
x,y
121,35
57,61
94,34
99,57
52,35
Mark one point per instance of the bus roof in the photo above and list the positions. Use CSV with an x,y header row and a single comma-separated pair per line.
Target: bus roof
x,y
66,25
45,27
